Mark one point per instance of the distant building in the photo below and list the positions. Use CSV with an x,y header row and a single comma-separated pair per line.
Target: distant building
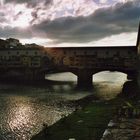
x,y
2,43
15,55
33,45
11,42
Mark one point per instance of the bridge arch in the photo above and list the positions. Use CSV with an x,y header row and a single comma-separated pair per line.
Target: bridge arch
x,y
62,76
85,77
113,76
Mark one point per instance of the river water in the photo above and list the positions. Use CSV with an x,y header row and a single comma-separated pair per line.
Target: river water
x,y
23,108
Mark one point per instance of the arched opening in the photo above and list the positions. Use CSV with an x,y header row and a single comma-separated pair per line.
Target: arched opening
x,y
108,84
110,76
63,76
62,82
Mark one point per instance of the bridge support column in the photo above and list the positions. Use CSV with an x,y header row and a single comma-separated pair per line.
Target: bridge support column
x,y
133,75
84,78
39,76
33,75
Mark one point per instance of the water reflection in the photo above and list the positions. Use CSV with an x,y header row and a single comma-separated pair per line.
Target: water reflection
x,y
25,108
21,117
20,113
65,76
108,85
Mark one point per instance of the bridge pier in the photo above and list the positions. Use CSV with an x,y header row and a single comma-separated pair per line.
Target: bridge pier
x,y
34,75
84,78
132,75
38,76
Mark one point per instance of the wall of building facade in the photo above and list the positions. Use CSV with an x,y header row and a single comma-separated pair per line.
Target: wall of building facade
x,y
87,57
95,56
22,57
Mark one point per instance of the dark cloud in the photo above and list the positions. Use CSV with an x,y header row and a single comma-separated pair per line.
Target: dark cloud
x,y
35,14
17,15
102,23
2,18
9,32
30,3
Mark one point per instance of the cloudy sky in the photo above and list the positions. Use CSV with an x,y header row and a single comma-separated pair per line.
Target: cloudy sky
x,y
70,22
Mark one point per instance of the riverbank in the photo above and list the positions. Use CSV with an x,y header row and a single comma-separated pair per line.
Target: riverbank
x,y
125,125
86,123
48,103
89,120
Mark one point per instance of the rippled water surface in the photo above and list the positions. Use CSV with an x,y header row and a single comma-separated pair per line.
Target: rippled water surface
x,y
23,109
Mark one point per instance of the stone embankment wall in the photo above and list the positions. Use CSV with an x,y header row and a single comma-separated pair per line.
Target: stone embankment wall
x,y
124,126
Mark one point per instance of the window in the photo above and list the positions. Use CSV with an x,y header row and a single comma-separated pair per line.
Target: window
x,y
118,53
36,53
71,58
65,52
107,53
129,52
74,52
85,52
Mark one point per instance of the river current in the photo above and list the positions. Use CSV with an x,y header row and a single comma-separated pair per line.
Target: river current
x,y
24,109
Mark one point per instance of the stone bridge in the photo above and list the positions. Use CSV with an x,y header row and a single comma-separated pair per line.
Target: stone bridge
x,y
34,63
86,61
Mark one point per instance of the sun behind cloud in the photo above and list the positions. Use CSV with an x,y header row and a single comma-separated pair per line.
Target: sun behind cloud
x,y
23,16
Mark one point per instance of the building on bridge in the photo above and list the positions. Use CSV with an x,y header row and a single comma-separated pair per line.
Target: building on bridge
x,y
27,62
100,57
20,57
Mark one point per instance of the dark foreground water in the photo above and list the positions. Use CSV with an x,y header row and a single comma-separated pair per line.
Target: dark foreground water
x,y
23,109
